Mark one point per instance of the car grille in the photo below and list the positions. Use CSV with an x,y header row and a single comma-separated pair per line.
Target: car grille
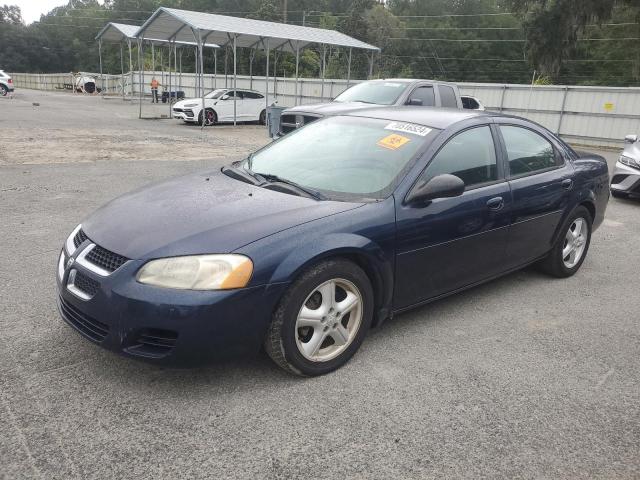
x,y
86,325
105,259
86,284
153,343
79,238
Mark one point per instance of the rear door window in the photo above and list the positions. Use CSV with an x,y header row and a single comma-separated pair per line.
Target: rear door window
x,y
447,96
528,151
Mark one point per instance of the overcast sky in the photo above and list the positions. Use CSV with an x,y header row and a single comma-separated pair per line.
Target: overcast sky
x,y
32,9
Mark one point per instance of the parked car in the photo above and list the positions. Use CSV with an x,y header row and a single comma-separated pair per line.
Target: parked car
x,y
6,84
250,107
472,103
626,176
326,232
394,91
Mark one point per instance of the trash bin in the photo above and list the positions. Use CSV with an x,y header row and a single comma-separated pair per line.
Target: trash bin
x,y
174,95
273,120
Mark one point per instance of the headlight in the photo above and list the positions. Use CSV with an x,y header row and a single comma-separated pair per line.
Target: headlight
x,y
629,161
198,272
189,105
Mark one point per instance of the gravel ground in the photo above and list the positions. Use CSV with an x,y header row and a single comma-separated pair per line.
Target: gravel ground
x,y
524,377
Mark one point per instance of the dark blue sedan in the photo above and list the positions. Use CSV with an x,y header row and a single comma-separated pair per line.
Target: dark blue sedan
x,y
323,234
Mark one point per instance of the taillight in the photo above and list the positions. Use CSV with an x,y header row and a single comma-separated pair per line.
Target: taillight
x,y
10,81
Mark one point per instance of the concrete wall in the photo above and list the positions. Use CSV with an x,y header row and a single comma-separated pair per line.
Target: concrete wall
x,y
586,115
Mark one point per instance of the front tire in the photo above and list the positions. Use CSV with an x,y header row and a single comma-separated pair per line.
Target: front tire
x,y
210,117
571,248
322,319
262,119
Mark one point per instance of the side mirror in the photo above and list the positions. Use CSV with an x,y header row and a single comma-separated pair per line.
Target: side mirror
x,y
415,102
440,186
631,139
224,97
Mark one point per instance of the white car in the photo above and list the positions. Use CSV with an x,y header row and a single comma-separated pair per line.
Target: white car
x,y
472,103
250,106
6,84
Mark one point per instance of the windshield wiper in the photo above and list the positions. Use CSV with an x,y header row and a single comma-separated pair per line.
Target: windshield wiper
x,y
242,174
276,179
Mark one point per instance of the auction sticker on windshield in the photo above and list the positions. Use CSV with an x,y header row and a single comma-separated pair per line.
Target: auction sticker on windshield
x,y
393,141
420,130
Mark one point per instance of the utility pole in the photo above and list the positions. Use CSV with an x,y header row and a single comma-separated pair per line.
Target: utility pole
x,y
284,13
304,18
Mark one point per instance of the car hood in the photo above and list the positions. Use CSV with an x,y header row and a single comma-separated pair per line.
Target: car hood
x,y
182,103
199,213
326,109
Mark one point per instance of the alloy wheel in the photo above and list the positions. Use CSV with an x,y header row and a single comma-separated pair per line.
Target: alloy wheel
x,y
329,320
575,242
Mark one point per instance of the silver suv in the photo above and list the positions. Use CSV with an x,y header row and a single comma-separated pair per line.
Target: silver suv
x,y
6,84
626,176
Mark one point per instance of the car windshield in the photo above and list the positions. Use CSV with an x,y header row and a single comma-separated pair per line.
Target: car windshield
x,y
215,93
379,93
344,158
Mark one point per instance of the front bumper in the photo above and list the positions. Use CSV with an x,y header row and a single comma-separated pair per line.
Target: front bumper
x,y
171,327
625,179
184,114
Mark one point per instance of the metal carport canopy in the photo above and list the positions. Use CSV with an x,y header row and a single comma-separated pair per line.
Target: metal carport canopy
x,y
117,32
172,24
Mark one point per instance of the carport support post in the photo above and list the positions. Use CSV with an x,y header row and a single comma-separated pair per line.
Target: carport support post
x,y
324,66
201,76
180,69
371,66
153,59
140,76
349,68
101,77
252,54
215,69
130,67
235,81
169,97
266,83
297,69
122,68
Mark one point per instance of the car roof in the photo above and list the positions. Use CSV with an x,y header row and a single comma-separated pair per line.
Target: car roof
x,y
434,117
409,80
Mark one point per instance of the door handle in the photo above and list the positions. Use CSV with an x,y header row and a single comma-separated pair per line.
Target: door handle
x,y
496,203
567,183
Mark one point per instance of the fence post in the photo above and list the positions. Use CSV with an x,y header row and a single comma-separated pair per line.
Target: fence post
x,y
564,102
504,89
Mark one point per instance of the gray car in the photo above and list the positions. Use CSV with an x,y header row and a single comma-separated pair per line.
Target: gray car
x,y
392,91
626,176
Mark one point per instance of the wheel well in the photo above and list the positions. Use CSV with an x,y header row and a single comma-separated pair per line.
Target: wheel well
x,y
591,208
376,280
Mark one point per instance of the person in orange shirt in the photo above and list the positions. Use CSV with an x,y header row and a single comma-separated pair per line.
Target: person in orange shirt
x,y
154,90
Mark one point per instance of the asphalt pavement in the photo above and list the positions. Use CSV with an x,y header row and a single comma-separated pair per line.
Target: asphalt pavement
x,y
523,377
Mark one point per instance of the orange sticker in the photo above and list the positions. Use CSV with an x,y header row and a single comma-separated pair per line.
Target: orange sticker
x,y
393,141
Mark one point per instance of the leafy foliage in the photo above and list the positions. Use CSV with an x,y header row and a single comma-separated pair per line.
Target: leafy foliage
x,y
565,41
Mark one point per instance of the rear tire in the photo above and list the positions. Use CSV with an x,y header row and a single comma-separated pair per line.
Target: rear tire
x,y
322,319
4,91
572,246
